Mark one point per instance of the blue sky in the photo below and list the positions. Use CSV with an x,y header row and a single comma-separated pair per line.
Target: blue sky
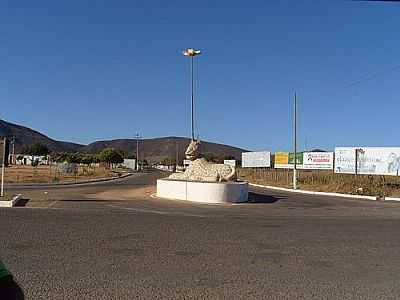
x,y
89,70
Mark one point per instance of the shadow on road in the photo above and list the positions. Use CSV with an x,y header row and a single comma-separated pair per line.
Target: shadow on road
x,y
90,200
22,202
261,198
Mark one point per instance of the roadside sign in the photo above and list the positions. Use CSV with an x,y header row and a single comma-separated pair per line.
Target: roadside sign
x,y
256,159
370,160
230,162
187,162
304,160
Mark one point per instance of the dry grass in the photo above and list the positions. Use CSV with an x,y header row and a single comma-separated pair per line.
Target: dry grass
x,y
49,174
325,181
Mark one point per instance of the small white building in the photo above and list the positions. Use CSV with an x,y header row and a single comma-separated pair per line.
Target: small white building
x,y
26,160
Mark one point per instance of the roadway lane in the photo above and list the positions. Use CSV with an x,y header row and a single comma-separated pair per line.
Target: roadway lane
x,y
117,242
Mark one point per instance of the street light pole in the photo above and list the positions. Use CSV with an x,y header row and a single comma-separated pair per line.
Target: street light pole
x,y
3,167
192,92
295,144
192,53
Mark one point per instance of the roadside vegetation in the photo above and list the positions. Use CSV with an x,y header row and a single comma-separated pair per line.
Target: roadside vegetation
x,y
325,181
64,167
50,174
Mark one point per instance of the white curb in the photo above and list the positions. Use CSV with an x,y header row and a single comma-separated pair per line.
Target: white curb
x,y
323,193
391,199
12,202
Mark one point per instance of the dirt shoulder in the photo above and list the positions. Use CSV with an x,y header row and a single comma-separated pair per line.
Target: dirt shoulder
x,y
51,175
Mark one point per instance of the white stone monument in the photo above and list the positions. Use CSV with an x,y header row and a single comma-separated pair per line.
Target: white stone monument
x,y
203,181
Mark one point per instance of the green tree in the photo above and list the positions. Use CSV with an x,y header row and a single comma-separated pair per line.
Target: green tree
x,y
211,157
111,156
60,157
168,162
87,159
229,157
74,158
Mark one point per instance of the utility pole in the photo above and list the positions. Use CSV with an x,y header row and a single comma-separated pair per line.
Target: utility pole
x,y
3,167
14,160
295,144
137,136
177,155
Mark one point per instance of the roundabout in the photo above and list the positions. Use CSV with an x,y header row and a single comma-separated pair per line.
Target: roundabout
x,y
205,192
203,181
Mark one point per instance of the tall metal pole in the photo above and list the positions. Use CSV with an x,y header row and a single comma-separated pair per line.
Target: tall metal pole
x,y
177,155
192,53
192,91
295,144
137,151
356,164
3,166
14,161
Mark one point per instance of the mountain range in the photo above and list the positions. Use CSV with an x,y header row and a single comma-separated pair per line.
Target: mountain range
x,y
155,149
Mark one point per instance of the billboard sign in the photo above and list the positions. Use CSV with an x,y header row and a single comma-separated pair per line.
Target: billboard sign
x,y
230,162
129,163
256,159
318,160
281,159
370,160
285,160
304,160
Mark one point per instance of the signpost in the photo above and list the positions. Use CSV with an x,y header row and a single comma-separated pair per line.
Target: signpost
x,y
230,162
368,160
304,160
318,160
285,160
256,159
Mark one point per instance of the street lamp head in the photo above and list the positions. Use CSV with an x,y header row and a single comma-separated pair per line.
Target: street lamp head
x,y
191,52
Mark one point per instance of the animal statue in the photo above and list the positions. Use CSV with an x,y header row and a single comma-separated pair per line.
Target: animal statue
x,y
202,170
193,150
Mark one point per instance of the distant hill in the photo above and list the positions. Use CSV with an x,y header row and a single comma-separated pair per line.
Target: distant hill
x,y
154,150
159,148
26,136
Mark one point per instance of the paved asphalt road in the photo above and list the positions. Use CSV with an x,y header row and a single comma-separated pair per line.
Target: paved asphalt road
x,y
114,241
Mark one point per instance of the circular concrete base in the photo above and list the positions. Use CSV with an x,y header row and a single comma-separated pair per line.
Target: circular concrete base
x,y
206,192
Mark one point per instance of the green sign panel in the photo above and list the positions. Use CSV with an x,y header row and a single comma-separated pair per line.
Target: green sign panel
x,y
299,158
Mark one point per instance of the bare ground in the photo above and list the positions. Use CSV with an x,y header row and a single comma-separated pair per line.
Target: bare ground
x,y
49,174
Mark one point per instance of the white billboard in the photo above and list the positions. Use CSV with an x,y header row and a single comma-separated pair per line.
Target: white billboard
x,y
370,160
129,163
317,160
256,159
230,162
